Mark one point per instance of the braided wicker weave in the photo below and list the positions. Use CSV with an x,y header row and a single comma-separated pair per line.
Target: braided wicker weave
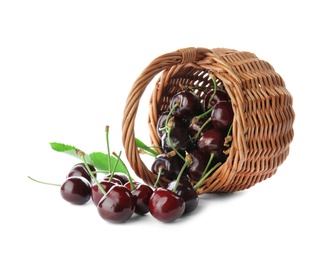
x,y
262,105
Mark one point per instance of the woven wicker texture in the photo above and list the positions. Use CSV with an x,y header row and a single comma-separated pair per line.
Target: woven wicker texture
x,y
262,105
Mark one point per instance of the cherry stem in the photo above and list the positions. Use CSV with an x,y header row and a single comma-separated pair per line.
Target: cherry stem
x,y
114,168
170,113
202,127
205,113
208,164
187,162
132,186
47,183
197,185
108,149
212,76
159,176
82,155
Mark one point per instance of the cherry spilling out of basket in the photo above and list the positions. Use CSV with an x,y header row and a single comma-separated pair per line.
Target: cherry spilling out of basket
x,y
195,135
197,126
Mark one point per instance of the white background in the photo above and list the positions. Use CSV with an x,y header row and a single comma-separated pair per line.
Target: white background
x,y
66,68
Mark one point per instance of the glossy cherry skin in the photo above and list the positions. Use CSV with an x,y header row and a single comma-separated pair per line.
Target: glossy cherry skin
x,y
220,95
199,162
141,195
185,190
117,205
211,140
188,104
179,139
165,205
76,190
222,116
170,166
96,192
80,169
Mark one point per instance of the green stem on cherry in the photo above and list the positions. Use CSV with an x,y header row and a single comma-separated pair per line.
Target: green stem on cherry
x,y
42,182
132,186
202,127
203,114
212,76
158,176
115,165
208,164
82,155
170,113
188,161
197,185
108,149
228,137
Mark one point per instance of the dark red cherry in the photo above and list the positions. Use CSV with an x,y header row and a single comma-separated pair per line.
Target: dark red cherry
x,y
169,166
220,95
199,161
210,141
96,192
179,139
76,190
141,195
188,104
222,116
117,205
80,169
165,205
185,190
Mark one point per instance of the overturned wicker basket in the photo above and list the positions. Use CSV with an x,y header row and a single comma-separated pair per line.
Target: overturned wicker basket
x,y
263,112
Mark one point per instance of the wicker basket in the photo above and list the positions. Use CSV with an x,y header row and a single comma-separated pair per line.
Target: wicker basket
x,y
263,112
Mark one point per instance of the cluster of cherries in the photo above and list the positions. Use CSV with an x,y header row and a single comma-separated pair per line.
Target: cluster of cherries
x,y
195,140
195,134
117,197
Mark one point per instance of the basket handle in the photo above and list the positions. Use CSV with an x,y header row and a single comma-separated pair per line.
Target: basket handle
x,y
181,56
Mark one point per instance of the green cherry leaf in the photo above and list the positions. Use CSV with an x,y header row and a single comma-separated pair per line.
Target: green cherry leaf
x,y
100,161
146,148
67,149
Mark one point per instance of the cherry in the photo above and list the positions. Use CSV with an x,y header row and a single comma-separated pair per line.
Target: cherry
x,y
185,190
211,140
178,139
141,195
165,205
80,169
167,166
185,104
76,190
222,115
117,205
96,191
198,164
211,98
